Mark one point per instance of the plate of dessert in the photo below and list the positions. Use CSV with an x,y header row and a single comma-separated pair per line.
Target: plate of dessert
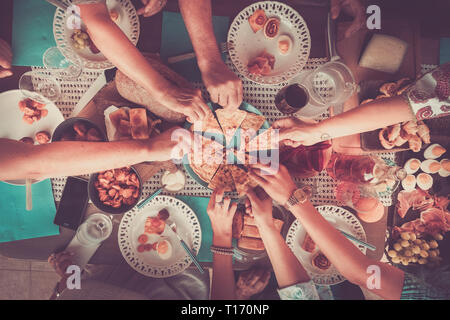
x,y
150,246
319,268
269,42
71,33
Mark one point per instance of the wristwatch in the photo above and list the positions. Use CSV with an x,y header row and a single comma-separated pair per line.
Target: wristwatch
x,y
298,196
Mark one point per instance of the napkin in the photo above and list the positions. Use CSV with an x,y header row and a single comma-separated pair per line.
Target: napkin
x,y
32,31
175,41
444,50
16,223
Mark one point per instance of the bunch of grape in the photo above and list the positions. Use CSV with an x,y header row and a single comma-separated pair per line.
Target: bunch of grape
x,y
409,248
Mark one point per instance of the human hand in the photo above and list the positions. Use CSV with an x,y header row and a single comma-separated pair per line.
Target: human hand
x,y
5,59
221,212
223,85
151,7
277,183
171,144
60,262
293,132
354,8
251,282
186,101
259,205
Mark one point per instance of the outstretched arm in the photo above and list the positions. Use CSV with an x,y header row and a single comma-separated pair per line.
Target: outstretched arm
x,y
346,257
221,212
118,49
288,270
19,160
222,84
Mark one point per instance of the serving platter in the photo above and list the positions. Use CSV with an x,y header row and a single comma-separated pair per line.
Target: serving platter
x,y
149,263
13,127
341,219
244,45
128,22
244,106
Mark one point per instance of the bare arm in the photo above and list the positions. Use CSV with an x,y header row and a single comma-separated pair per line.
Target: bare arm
x,y
288,270
221,212
19,160
373,115
222,84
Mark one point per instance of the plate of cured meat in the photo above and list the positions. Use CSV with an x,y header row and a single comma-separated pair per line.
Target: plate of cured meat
x,y
150,246
269,42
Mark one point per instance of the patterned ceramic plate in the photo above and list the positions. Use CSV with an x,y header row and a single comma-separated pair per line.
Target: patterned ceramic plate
x,y
244,44
128,22
149,263
339,218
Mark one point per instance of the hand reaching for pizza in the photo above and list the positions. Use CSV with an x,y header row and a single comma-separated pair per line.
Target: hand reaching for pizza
x,y
251,282
223,85
353,8
221,212
259,205
186,101
5,59
172,144
294,132
151,7
277,183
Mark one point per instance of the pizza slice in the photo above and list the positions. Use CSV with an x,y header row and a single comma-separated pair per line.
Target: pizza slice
x,y
268,140
205,157
241,179
230,122
139,125
222,179
251,124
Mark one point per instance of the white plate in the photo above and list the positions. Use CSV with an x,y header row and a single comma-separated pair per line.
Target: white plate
x,y
149,263
340,219
13,127
128,23
244,45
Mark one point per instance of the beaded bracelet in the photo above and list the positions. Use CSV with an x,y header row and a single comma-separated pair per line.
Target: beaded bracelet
x,y
222,250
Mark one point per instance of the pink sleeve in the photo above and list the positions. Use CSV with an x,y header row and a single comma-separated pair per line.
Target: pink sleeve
x,y
429,97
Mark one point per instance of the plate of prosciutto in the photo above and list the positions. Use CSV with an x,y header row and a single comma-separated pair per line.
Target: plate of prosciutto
x,y
269,42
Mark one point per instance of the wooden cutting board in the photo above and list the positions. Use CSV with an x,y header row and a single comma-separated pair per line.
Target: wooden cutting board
x,y
350,51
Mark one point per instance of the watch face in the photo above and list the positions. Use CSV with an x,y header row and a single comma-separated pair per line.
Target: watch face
x,y
300,195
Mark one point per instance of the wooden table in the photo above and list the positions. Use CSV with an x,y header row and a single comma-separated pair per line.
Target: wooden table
x,y
150,39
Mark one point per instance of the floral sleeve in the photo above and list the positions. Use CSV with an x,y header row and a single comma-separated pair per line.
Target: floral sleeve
x,y
429,97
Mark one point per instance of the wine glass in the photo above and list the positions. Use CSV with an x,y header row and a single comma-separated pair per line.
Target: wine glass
x,y
36,84
63,63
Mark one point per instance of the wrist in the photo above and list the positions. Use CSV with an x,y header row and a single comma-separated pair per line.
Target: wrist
x,y
208,62
321,131
222,240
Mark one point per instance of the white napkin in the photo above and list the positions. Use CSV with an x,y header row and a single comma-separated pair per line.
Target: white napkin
x,y
111,131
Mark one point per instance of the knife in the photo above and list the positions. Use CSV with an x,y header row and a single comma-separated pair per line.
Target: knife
x,y
58,4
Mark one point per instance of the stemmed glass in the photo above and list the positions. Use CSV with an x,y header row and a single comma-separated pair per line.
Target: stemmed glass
x,y
36,84
62,63
94,230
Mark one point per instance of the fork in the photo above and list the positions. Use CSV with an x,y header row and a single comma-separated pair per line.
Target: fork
x,y
223,47
173,226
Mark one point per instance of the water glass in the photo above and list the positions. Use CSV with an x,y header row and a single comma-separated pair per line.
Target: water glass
x,y
94,230
36,84
63,63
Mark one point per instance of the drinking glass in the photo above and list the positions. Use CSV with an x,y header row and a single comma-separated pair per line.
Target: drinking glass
x,y
63,63
329,85
94,230
36,84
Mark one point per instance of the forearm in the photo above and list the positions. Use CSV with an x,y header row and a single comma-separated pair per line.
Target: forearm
x,y
288,270
197,17
223,283
373,115
345,256
119,50
19,160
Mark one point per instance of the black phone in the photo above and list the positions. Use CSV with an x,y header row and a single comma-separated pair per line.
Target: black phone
x,y
73,203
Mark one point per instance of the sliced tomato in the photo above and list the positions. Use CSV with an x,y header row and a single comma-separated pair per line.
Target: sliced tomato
x,y
148,247
143,238
141,248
